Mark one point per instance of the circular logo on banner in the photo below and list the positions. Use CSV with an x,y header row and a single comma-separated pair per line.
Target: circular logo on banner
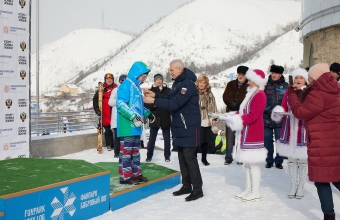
x,y
23,46
23,116
6,29
9,103
22,74
6,88
5,147
22,3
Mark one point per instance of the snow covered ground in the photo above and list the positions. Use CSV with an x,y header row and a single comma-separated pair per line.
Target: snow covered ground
x,y
220,184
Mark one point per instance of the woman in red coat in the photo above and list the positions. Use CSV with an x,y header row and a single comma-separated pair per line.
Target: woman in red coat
x,y
249,138
321,113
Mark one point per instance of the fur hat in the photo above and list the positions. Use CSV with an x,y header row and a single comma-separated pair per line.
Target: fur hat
x,y
276,69
300,72
157,76
317,70
214,128
335,67
242,69
258,77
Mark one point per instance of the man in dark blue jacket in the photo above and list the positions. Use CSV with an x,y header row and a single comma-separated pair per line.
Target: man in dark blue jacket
x,y
275,89
182,102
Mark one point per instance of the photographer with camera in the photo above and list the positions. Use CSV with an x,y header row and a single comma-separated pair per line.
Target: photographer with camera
x,y
233,96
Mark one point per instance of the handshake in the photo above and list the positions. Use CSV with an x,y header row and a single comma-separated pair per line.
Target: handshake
x,y
138,121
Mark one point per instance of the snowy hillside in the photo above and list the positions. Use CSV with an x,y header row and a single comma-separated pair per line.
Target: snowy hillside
x,y
63,59
203,32
286,50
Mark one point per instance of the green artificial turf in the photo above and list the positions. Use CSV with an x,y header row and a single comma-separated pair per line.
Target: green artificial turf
x,y
150,170
27,173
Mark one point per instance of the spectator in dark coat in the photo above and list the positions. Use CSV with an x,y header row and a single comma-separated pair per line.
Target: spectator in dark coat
x,y
182,102
162,120
335,70
233,96
320,111
275,90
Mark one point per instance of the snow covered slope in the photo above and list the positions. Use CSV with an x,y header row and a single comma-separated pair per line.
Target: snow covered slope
x,y
203,32
63,59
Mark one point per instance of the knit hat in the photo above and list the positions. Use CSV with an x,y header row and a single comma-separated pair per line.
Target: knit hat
x,y
276,69
108,75
317,70
258,77
220,132
335,67
214,128
122,77
157,76
242,69
300,72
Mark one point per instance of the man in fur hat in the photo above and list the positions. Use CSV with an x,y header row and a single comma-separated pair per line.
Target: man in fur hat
x,y
275,89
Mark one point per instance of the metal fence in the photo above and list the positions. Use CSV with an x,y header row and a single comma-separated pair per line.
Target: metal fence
x,y
62,122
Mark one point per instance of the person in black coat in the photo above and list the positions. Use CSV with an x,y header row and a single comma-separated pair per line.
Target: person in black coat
x,y
162,120
275,89
182,102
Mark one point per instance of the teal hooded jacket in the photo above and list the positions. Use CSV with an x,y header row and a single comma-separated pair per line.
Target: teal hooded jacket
x,y
130,102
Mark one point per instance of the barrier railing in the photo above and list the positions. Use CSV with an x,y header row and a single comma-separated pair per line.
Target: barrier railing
x,y
61,122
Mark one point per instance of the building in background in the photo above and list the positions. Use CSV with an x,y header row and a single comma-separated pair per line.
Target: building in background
x,y
319,28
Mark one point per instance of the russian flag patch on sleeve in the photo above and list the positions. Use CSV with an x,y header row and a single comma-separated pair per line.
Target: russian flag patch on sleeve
x,y
184,90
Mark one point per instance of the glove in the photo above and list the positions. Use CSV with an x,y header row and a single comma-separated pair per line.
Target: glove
x,y
137,121
227,119
290,90
151,118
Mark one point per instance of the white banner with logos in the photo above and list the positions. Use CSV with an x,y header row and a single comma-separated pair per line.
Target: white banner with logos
x,y
14,79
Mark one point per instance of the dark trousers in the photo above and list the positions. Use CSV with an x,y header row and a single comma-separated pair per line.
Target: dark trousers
x,y
108,136
190,170
269,144
116,141
325,196
152,140
230,144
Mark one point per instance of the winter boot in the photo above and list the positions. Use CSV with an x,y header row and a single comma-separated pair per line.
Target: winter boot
x,y
195,194
254,195
292,170
303,171
204,148
248,184
328,217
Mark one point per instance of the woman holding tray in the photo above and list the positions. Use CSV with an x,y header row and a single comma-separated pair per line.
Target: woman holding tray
x,y
293,142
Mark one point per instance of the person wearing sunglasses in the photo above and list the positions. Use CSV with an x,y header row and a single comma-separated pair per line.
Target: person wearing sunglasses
x,y
109,86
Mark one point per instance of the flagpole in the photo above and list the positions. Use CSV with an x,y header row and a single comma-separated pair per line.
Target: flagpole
x,y
37,57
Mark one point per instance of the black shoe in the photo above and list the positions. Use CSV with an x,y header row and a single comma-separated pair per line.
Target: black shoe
x,y
182,191
239,163
328,217
131,181
174,149
227,162
206,163
148,160
167,159
141,178
269,165
142,144
116,156
109,148
194,195
279,166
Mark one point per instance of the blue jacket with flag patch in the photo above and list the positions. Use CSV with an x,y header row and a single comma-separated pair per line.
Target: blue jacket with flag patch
x,y
130,103
182,102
